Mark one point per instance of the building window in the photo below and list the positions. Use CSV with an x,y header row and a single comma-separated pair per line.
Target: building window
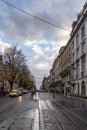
x,y
78,88
83,67
77,39
83,88
77,53
82,32
73,57
83,47
73,45
73,72
77,70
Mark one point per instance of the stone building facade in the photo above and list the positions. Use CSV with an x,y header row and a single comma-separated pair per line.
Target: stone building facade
x,y
70,66
64,66
78,43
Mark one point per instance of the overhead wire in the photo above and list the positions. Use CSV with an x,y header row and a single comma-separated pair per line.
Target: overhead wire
x,y
27,13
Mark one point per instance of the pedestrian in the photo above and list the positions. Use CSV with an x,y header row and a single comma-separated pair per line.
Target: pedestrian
x,y
53,95
32,93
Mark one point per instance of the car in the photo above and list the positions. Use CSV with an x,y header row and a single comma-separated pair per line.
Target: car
x,y
20,92
25,91
14,93
43,91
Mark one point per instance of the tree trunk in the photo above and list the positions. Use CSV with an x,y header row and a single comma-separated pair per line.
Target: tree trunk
x,y
11,85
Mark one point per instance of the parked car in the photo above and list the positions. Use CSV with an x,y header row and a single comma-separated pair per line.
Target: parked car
x,y
20,92
14,93
25,91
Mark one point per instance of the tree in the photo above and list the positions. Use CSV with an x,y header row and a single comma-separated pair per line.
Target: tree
x,y
13,61
14,68
1,68
25,78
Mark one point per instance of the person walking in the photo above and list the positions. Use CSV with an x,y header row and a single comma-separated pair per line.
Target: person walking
x,y
32,93
53,95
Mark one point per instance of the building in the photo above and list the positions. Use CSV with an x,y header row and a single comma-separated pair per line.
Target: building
x,y
61,67
51,87
78,47
57,78
64,60
45,83
70,67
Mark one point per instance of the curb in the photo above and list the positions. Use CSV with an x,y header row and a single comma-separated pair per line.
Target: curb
x,y
36,120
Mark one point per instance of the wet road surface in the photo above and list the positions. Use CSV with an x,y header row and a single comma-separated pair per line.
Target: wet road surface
x,y
63,113
11,107
59,113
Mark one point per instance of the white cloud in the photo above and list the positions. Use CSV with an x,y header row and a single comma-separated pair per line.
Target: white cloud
x,y
47,49
3,45
28,43
39,70
38,50
36,57
35,42
42,66
50,58
33,33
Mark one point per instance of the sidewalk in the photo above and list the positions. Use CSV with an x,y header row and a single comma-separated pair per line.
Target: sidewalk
x,y
25,121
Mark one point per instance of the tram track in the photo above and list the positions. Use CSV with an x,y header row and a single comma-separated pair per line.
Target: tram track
x,y
74,125
53,115
74,102
61,107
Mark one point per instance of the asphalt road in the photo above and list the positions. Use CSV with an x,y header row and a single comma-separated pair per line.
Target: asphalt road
x,y
59,113
10,107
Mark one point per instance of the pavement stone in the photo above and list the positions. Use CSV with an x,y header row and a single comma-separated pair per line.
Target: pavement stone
x,y
27,121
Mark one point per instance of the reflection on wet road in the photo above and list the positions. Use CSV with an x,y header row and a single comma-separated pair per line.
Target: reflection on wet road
x,y
12,106
20,98
68,112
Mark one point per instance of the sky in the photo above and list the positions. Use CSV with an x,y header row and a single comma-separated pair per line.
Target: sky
x,y
40,42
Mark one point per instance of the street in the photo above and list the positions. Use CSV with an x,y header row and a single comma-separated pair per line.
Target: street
x,y
64,113
10,107
59,113
43,65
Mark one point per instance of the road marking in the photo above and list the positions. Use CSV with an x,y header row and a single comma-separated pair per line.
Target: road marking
x,y
36,120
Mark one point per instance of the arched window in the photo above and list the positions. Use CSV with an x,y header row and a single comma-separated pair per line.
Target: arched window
x,y
83,88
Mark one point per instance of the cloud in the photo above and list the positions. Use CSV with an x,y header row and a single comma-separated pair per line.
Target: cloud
x,y
36,57
40,70
47,49
42,66
3,45
37,49
23,27
44,54
39,41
